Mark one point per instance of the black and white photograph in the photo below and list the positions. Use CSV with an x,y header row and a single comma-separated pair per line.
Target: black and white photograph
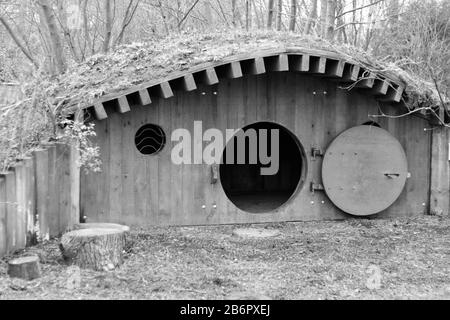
x,y
241,152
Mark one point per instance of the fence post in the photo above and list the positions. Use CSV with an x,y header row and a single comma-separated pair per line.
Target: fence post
x,y
21,196
11,211
30,204
52,214
41,171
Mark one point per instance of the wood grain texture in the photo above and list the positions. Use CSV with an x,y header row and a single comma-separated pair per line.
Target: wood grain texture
x,y
170,194
439,189
11,211
42,192
3,213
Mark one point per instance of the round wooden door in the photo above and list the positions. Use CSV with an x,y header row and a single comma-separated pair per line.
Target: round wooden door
x,y
364,170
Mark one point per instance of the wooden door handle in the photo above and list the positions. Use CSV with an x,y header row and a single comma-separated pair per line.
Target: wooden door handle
x,y
391,175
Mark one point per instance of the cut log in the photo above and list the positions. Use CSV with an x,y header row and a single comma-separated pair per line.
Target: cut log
x,y
100,225
97,249
26,268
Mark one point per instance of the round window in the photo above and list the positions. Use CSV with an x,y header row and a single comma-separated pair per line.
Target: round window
x,y
150,139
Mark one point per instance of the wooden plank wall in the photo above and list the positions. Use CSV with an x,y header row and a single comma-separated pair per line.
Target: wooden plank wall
x,y
440,171
39,198
150,190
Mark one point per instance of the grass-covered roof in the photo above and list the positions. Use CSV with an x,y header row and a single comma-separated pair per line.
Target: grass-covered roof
x,y
138,63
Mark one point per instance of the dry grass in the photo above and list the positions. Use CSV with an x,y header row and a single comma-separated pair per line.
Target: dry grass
x,y
28,123
318,260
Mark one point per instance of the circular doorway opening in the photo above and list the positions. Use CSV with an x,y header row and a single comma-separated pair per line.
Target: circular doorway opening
x,y
267,180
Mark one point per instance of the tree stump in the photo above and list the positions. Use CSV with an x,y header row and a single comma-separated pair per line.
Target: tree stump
x,y
97,249
101,225
26,268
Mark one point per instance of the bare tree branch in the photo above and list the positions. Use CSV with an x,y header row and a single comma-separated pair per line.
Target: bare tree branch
x,y
18,42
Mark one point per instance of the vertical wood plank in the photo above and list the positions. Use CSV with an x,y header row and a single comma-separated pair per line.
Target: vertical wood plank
x,y
21,219
52,213
116,148
152,164
439,195
141,185
11,212
74,196
30,204
127,169
165,165
221,121
42,193
3,212
177,170
63,186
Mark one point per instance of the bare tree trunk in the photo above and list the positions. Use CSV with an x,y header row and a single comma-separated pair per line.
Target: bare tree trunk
x,y
247,14
270,14
293,15
280,15
87,37
233,12
56,43
66,30
340,22
18,42
129,14
108,26
331,14
258,16
312,18
163,17
355,28
323,17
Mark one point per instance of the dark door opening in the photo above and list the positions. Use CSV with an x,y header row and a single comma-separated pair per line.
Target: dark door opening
x,y
244,184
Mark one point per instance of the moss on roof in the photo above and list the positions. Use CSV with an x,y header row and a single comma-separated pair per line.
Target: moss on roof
x,y
26,124
134,64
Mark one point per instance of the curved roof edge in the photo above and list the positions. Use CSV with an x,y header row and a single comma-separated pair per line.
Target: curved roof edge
x,y
325,64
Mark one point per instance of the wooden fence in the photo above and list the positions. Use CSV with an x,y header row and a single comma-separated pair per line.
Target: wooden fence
x,y
39,197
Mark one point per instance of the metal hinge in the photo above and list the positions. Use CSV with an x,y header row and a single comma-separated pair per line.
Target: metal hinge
x,y
316,152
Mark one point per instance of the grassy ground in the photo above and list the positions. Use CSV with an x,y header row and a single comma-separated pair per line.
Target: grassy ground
x,y
353,259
